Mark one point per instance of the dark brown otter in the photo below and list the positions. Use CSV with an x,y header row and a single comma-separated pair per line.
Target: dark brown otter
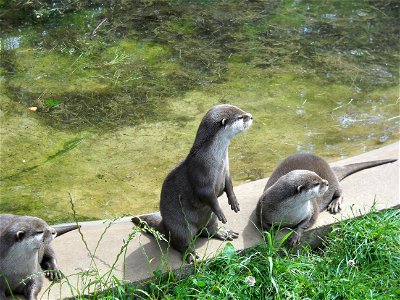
x,y
188,203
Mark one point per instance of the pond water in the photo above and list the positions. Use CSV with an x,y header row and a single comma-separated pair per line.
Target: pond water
x,y
100,99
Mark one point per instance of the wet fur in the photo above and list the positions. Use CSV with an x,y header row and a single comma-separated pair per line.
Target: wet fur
x,y
188,202
270,203
25,251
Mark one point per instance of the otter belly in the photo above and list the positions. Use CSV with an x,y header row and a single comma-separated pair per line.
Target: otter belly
x,y
18,265
219,181
292,213
220,186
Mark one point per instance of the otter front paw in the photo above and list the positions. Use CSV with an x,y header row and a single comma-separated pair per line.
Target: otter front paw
x,y
220,215
335,206
294,239
234,204
50,269
190,256
53,275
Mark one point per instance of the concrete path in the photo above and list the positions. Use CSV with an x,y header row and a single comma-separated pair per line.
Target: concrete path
x,y
144,255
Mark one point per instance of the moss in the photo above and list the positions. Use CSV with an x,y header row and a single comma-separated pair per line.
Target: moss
x,y
120,92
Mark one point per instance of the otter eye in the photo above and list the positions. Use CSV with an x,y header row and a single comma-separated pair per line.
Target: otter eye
x,y
20,235
223,122
240,117
300,188
39,232
316,184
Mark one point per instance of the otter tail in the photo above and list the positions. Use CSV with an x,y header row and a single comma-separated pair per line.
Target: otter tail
x,y
61,229
343,172
153,220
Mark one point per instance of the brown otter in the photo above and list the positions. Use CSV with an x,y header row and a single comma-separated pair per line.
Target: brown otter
x,y
188,202
302,186
25,252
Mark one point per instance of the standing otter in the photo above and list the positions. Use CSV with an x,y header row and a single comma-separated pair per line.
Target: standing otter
x,y
188,202
302,186
24,252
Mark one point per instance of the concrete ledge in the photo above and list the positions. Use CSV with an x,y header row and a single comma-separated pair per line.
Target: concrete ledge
x,y
377,186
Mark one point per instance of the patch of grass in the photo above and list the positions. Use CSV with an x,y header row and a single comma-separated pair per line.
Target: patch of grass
x,y
359,260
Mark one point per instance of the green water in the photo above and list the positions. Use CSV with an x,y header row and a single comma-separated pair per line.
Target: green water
x,y
121,86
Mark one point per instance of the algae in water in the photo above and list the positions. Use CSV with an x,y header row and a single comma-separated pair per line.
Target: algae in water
x,y
120,88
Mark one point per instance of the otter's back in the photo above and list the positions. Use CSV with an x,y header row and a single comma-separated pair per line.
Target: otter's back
x,y
303,161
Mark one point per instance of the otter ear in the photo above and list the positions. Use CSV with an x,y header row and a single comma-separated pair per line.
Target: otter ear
x,y
20,235
300,188
223,122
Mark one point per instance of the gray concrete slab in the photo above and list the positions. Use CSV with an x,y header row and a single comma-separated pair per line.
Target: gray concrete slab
x,y
143,255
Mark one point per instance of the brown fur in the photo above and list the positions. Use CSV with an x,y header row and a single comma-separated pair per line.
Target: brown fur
x,y
279,188
188,202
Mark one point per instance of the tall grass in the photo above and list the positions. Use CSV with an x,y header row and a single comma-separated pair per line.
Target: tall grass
x,y
360,259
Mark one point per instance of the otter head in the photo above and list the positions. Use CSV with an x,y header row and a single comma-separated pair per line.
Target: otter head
x,y
231,119
32,234
307,184
237,123
289,200
221,123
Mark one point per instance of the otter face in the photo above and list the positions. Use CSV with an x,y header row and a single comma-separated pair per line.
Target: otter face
x,y
224,121
34,235
310,184
234,120
304,185
36,240
242,122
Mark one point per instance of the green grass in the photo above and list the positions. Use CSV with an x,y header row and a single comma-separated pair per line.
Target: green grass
x,y
360,259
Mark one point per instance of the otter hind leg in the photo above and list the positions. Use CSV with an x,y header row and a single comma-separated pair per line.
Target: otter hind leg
x,y
295,237
212,231
185,246
181,239
266,227
226,234
190,255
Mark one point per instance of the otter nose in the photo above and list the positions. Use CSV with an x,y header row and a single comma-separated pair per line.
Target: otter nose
x,y
248,117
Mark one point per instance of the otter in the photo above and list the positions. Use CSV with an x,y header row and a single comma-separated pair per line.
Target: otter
x,y
188,201
25,253
302,186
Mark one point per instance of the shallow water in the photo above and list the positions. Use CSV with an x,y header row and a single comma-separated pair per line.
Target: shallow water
x,y
120,88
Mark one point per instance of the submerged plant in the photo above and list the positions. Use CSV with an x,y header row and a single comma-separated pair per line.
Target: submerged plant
x,y
118,61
